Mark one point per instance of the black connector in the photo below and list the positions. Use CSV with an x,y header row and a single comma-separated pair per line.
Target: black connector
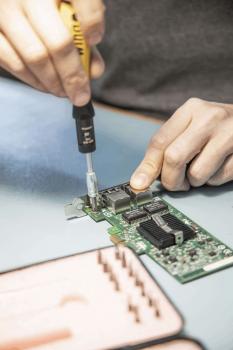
x,y
155,234
159,236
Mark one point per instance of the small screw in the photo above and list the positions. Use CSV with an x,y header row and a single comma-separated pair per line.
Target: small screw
x,y
117,253
111,275
130,271
117,285
157,312
123,260
142,289
150,301
105,267
130,306
137,281
99,257
136,314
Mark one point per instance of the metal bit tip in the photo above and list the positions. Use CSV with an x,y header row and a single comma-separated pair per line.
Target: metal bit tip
x,y
92,185
94,204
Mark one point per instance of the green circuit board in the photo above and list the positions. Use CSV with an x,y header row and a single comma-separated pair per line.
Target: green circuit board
x,y
196,257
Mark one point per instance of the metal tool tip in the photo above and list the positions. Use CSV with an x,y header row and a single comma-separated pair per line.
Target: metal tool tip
x,y
94,204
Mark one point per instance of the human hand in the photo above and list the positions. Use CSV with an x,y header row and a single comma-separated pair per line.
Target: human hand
x,y
36,46
194,147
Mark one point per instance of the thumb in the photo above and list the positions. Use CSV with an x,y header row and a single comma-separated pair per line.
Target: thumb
x,y
151,166
148,170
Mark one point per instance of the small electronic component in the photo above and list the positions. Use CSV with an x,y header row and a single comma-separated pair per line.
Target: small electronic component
x,y
140,197
192,252
155,207
151,231
116,200
134,215
165,231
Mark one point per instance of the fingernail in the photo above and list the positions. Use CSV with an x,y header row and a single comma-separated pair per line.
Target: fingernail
x,y
139,180
82,99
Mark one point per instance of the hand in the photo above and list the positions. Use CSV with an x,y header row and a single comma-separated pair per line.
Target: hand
x,y
194,147
36,46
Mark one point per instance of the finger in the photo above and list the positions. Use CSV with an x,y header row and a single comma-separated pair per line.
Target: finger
x,y
46,20
26,42
91,17
97,64
178,154
151,166
224,174
11,62
209,160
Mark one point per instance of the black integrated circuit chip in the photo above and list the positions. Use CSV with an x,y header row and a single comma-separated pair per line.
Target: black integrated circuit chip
x,y
155,207
163,236
134,215
140,197
155,234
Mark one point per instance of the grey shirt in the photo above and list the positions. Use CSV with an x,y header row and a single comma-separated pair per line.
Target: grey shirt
x,y
159,53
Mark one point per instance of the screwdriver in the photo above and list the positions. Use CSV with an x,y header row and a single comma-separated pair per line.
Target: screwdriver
x,y
83,115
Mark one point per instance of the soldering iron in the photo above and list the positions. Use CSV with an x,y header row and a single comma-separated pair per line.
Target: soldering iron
x,y
83,115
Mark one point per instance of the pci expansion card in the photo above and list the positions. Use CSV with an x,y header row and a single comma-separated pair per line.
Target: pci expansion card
x,y
149,225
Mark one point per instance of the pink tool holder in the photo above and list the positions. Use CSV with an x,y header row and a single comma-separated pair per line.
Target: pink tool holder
x,y
101,299
177,344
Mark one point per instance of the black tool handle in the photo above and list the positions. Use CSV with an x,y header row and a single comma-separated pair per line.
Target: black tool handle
x,y
85,127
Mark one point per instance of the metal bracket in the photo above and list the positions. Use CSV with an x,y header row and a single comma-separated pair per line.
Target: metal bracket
x,y
74,210
179,235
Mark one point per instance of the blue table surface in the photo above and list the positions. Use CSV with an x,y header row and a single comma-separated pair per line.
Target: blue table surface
x,y
41,170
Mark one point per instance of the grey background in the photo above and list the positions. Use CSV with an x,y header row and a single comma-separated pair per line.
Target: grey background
x,y
160,53
41,170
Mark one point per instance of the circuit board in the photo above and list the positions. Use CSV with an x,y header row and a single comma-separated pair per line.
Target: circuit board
x,y
149,225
